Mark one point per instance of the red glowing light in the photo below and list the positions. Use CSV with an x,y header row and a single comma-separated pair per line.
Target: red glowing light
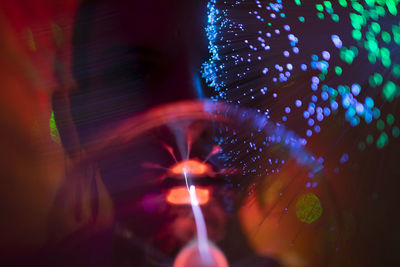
x,y
180,196
191,166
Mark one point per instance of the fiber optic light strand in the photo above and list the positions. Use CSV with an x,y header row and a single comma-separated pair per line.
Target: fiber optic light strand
x,y
202,239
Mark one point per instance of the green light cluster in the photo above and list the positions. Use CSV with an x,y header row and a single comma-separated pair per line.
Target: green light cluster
x,y
383,138
377,38
376,31
326,6
365,19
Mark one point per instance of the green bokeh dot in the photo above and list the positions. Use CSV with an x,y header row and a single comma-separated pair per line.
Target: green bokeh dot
x,y
389,91
375,27
386,37
328,4
361,146
395,131
396,70
382,140
335,17
308,208
356,35
338,70
380,125
390,119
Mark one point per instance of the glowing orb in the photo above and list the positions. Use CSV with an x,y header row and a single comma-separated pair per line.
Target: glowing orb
x,y
308,208
190,257
181,196
191,166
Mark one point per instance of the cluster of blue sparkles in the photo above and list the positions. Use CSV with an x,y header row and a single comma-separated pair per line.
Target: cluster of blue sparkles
x,y
244,37
210,68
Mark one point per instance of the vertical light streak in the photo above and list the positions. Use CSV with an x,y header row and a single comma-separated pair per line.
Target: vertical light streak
x,y
202,239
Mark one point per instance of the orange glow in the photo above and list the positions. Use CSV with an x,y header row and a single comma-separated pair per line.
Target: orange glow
x,y
180,196
190,256
191,166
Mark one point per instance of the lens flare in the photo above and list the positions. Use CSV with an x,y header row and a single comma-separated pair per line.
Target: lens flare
x,y
181,196
192,167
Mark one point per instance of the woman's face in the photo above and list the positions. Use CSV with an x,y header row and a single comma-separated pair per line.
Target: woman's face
x,y
130,56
